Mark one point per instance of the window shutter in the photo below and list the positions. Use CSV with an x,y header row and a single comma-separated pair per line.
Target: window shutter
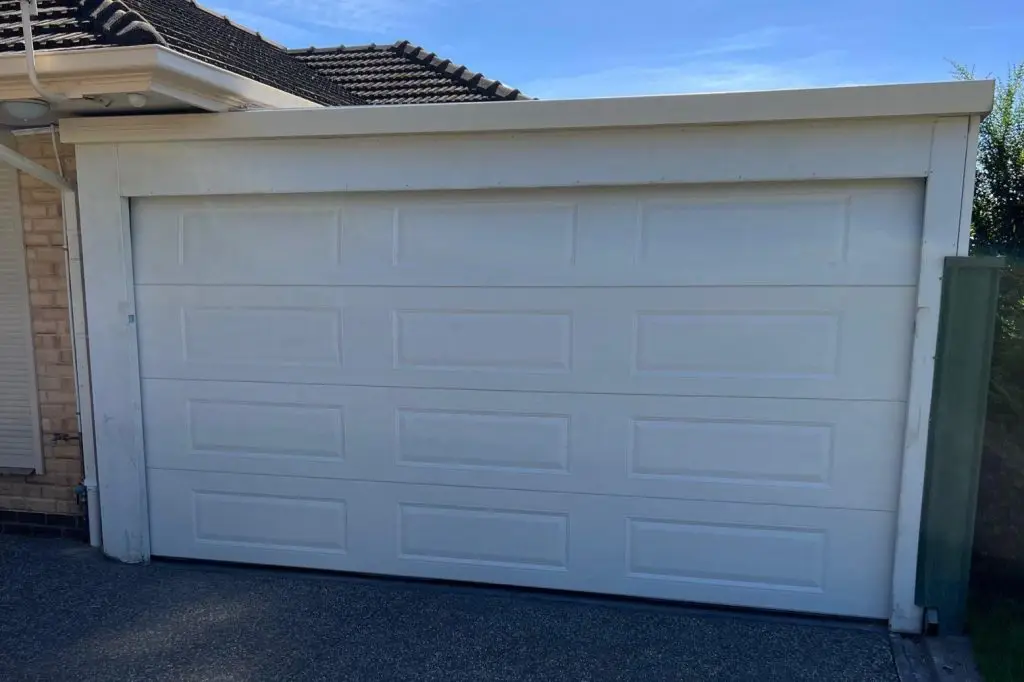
x,y
20,438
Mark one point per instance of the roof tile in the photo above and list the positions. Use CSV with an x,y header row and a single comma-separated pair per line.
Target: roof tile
x,y
403,73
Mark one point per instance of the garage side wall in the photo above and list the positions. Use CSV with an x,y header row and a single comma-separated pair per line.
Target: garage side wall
x,y
52,492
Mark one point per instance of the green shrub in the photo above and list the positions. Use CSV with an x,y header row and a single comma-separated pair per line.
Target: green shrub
x,y
997,228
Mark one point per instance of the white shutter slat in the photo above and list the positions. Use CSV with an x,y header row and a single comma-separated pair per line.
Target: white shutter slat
x,y
20,437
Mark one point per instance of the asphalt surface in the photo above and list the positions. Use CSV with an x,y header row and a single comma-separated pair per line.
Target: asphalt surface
x,y
66,613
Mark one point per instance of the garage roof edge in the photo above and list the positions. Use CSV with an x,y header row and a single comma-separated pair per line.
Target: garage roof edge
x,y
859,102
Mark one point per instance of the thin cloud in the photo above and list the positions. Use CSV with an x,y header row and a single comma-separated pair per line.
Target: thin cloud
x,y
364,16
692,76
270,28
750,41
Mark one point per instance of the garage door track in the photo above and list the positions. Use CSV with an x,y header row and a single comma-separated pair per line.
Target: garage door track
x,y
66,613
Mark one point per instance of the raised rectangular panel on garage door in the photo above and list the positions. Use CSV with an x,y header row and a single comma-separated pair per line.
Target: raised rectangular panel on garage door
x,y
806,233
827,561
793,342
817,453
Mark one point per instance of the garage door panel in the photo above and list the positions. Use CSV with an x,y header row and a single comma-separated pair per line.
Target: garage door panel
x,y
844,233
695,551
828,453
744,341
680,392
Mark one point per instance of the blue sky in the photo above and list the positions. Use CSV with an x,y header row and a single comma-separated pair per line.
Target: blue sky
x,y
596,48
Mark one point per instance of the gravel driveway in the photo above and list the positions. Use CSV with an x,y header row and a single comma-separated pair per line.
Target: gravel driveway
x,y
66,613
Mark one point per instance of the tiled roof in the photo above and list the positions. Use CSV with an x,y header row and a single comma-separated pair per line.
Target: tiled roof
x,y
58,25
403,73
179,24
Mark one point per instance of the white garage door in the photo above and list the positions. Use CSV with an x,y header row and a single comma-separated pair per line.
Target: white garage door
x,y
691,393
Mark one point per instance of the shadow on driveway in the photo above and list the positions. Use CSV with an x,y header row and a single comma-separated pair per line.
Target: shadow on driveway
x,y
66,613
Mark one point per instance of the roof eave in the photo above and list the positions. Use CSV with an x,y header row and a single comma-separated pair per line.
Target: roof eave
x,y
93,71
824,104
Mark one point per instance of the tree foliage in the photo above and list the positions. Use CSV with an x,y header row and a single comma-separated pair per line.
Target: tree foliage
x,y
997,224
997,228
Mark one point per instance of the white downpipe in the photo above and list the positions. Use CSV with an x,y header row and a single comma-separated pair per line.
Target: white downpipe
x,y
28,9
80,358
74,280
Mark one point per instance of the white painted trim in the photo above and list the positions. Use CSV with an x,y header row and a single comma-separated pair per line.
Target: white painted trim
x,y
147,68
880,101
11,157
827,150
963,246
945,190
113,355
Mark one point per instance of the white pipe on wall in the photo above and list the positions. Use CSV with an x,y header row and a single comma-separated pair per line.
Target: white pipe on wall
x,y
29,8
80,359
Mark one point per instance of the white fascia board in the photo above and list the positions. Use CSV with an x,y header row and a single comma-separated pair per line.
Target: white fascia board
x,y
147,68
879,101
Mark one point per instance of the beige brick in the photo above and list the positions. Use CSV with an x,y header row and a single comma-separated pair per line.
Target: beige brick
x,y
43,224
44,327
15,486
13,503
29,182
64,490
47,356
50,284
37,269
44,196
34,145
51,411
51,254
36,239
56,398
31,210
52,478
55,314
62,371
64,466
40,505
42,299
49,383
67,508
72,451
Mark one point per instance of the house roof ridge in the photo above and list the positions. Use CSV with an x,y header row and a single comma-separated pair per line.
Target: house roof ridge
x,y
340,48
456,72
119,22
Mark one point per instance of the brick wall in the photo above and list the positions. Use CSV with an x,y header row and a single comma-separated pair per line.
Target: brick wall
x,y
53,491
